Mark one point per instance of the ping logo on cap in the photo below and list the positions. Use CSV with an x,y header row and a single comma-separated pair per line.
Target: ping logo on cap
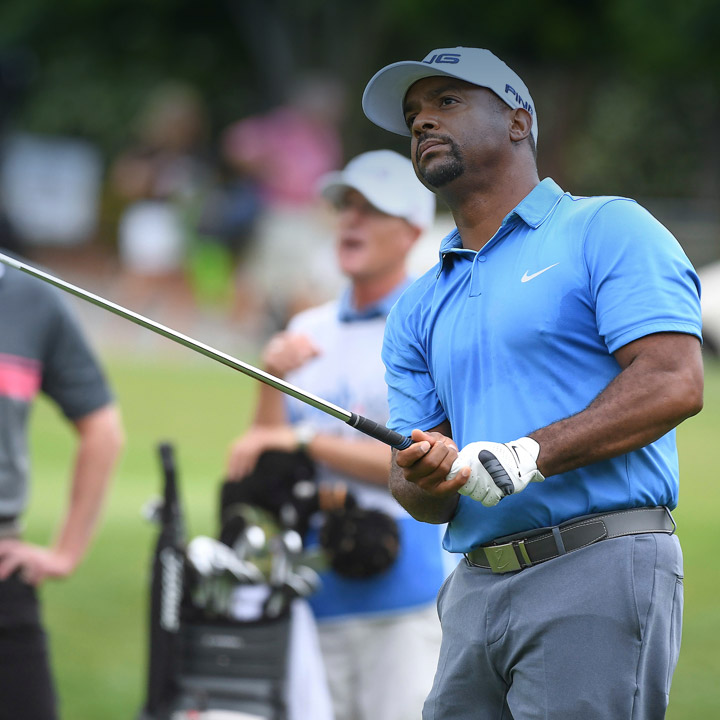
x,y
447,58
519,99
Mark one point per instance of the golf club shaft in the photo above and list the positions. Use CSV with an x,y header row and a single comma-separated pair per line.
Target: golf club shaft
x,y
368,427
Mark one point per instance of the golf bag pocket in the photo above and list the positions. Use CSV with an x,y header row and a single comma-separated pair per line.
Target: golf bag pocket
x,y
234,667
281,484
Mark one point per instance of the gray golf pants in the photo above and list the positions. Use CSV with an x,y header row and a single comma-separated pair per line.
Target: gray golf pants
x,y
594,634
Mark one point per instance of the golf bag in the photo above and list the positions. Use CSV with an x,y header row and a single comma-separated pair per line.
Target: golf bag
x,y
356,542
166,591
222,631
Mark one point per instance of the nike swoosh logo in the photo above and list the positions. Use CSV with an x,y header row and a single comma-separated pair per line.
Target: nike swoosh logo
x,y
526,277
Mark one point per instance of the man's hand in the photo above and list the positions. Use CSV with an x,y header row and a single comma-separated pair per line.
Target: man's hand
x,y
287,351
418,475
35,563
497,469
427,462
244,453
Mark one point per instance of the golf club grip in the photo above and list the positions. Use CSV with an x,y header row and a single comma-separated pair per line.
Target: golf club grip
x,y
379,432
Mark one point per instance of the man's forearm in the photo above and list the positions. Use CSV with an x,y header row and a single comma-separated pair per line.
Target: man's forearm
x,y
366,459
421,505
100,442
270,408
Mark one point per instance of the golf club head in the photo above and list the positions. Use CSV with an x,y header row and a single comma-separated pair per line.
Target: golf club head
x,y
280,565
293,543
310,577
303,582
251,542
278,602
225,560
201,554
299,584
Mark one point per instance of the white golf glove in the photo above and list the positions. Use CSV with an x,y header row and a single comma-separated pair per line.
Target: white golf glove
x,y
497,469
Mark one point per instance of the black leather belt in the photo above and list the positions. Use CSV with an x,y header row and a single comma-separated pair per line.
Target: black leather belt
x,y
517,552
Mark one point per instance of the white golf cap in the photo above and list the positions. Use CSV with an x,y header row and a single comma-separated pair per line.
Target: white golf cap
x,y
384,95
387,181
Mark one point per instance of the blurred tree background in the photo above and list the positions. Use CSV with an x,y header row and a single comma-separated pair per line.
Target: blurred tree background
x,y
628,91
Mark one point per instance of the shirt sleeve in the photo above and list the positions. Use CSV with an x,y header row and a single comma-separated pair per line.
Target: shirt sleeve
x,y
72,375
412,398
641,281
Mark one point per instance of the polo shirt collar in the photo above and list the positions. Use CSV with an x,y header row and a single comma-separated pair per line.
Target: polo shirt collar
x,y
533,210
537,205
347,312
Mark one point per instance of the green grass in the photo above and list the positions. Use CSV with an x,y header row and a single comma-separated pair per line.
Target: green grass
x,y
695,691
97,618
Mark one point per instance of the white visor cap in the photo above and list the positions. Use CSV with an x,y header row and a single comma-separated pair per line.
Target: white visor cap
x,y
387,181
383,98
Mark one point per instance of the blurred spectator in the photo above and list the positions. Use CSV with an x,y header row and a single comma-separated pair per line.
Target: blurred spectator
x,y
160,177
222,231
165,159
289,148
286,151
377,622
42,349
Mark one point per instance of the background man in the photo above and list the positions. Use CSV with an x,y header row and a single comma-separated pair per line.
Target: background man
x,y
572,324
379,635
43,350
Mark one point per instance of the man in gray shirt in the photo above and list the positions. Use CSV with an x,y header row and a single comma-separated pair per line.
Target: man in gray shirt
x,y
42,350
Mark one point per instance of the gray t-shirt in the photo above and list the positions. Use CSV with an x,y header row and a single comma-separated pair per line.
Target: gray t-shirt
x,y
41,350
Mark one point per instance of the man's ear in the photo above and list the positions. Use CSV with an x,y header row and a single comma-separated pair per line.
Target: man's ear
x,y
521,124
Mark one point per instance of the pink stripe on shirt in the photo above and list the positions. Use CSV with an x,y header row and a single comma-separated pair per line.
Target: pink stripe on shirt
x,y
19,377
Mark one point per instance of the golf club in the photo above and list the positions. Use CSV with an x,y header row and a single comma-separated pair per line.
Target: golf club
x,y
368,427
251,542
284,584
218,572
211,557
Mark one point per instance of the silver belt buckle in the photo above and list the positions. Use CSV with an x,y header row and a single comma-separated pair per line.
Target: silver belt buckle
x,y
506,558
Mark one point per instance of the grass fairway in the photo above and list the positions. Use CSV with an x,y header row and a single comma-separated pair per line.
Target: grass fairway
x,y
96,619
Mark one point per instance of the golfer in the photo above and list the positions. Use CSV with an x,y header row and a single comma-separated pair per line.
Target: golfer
x,y
541,368
379,632
43,350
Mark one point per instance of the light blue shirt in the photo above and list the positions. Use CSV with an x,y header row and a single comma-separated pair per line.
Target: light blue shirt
x,y
348,371
507,340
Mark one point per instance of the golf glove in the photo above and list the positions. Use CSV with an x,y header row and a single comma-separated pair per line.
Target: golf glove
x,y
497,469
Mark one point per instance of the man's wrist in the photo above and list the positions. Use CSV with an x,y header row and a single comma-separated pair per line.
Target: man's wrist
x,y
305,433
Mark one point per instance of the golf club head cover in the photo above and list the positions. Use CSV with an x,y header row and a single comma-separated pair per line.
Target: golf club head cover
x,y
497,469
281,483
359,542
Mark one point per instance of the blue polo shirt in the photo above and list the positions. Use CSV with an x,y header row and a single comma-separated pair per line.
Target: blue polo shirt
x,y
521,334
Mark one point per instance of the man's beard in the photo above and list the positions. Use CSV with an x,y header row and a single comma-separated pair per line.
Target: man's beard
x,y
446,170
